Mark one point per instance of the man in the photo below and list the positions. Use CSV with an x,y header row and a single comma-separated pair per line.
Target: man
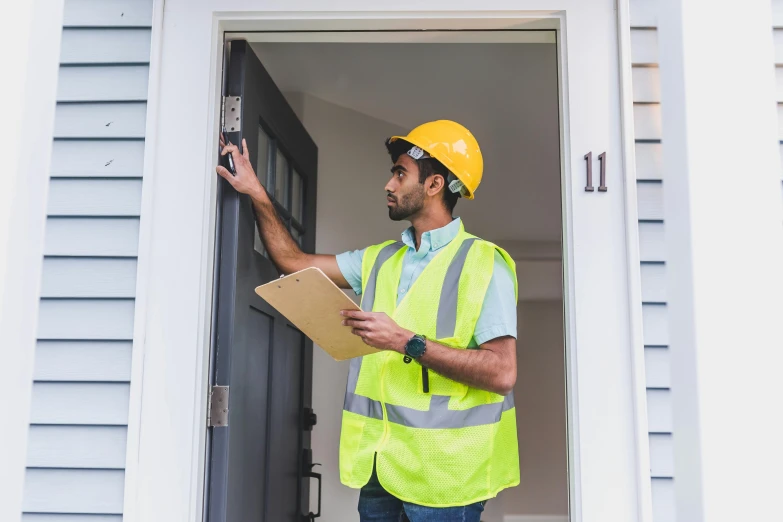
x,y
429,428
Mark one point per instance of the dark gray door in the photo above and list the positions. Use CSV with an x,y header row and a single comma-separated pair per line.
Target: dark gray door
x,y
259,463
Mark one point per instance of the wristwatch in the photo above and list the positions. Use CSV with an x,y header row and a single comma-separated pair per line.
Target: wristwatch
x,y
416,346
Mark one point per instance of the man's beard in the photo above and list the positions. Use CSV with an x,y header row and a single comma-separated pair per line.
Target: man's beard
x,y
408,205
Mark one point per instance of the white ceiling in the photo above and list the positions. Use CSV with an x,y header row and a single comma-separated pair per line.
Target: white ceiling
x,y
506,94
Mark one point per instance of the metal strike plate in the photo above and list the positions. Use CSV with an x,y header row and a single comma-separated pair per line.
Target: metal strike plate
x,y
233,114
218,407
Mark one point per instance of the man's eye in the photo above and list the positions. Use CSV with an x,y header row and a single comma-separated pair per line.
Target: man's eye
x,y
400,174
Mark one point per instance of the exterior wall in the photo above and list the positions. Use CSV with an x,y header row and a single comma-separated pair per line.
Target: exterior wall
x,y
80,398
650,179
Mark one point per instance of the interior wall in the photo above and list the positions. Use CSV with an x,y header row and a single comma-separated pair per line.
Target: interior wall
x,y
539,396
353,169
505,93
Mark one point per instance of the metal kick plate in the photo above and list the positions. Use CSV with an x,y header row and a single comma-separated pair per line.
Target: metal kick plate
x,y
218,406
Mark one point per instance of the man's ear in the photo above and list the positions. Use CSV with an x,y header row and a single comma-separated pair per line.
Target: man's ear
x,y
436,183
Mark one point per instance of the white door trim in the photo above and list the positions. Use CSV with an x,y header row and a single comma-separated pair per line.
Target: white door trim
x,y
634,265
166,459
33,39
146,229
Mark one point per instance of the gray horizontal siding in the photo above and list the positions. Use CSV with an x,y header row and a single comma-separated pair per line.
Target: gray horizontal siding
x,y
94,197
80,491
650,199
66,517
80,403
88,277
655,322
648,161
659,410
107,13
79,410
646,84
97,158
105,46
83,361
647,121
653,283
664,506
644,47
657,367
84,83
67,236
652,246
662,453
643,13
648,133
100,120
89,447
86,319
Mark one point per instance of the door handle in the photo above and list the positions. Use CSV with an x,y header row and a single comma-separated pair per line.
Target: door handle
x,y
312,516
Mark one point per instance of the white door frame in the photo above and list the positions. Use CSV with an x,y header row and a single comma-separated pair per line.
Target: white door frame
x,y
166,448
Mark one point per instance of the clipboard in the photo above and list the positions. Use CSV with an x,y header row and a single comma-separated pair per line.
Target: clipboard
x,y
312,302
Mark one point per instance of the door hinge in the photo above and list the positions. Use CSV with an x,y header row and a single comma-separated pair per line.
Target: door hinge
x,y
231,113
217,409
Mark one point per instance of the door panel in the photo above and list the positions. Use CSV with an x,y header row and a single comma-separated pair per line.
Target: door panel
x,y
257,466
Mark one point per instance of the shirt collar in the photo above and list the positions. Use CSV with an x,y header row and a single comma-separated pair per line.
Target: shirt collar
x,y
433,239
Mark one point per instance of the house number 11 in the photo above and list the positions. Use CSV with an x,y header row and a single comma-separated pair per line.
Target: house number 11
x,y
602,159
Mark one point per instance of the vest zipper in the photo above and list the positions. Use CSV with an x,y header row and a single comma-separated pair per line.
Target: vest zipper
x,y
425,380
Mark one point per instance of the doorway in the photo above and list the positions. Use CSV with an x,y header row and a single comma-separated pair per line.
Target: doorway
x,y
350,97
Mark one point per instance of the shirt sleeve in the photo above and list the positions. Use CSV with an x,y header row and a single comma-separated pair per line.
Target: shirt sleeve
x,y
498,316
350,264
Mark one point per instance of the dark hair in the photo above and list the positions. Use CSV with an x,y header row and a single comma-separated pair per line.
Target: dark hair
x,y
427,167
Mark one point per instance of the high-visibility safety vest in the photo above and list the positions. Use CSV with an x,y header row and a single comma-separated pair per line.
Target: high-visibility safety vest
x,y
455,445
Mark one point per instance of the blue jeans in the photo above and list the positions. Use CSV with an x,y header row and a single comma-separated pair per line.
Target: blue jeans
x,y
378,505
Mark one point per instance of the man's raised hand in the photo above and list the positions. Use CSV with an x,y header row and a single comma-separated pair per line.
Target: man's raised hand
x,y
245,180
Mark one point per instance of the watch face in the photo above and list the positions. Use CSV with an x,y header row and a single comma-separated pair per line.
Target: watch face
x,y
415,347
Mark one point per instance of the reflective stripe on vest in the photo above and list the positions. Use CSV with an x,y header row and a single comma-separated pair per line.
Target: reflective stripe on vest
x,y
439,415
357,403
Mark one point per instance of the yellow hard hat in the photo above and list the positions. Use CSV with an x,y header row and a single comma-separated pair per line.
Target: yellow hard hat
x,y
453,145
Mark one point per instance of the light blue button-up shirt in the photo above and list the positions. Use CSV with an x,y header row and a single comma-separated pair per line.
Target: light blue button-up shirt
x,y
498,316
